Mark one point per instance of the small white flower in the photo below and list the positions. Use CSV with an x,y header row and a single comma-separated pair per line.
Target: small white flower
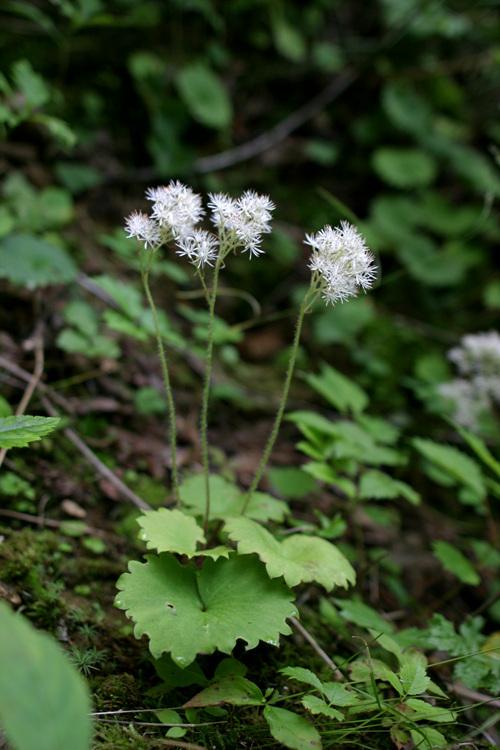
x,y
246,218
342,260
200,247
143,228
176,208
224,210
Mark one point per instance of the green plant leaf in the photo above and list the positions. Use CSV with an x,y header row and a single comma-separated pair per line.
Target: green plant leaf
x,y
187,610
406,109
32,86
227,500
423,711
303,675
44,702
456,563
316,705
174,676
413,673
205,95
428,737
31,262
338,390
291,481
18,432
375,485
363,615
480,449
404,167
233,689
364,670
292,730
5,407
166,530
457,465
287,38
299,558
338,695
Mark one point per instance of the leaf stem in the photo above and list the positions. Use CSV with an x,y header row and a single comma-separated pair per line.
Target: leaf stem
x,y
166,379
305,306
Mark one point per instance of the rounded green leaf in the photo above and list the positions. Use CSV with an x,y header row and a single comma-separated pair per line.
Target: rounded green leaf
x,y
292,730
170,531
299,558
44,702
205,96
185,610
404,167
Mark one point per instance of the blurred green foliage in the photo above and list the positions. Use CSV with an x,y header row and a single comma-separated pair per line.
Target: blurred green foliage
x,y
115,95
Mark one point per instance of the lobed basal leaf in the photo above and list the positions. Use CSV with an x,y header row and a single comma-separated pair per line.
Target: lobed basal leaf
x,y
185,610
168,530
226,500
299,558
171,530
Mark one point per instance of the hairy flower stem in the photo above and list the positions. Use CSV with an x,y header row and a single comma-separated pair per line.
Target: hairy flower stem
x,y
266,455
166,380
206,388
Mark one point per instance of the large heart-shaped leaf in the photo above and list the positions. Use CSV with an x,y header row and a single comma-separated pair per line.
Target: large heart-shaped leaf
x,y
227,500
187,610
299,558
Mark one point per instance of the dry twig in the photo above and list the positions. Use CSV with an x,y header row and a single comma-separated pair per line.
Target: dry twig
x,y
315,645
73,437
34,379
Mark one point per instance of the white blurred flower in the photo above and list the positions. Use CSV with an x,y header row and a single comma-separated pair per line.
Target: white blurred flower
x,y
468,404
244,219
477,359
342,261
176,208
143,228
478,353
200,247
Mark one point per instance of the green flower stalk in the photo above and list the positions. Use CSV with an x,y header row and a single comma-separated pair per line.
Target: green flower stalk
x,y
341,265
172,428
212,296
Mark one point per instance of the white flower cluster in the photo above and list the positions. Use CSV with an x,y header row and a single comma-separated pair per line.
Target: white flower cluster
x,y
177,210
342,261
243,219
477,359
